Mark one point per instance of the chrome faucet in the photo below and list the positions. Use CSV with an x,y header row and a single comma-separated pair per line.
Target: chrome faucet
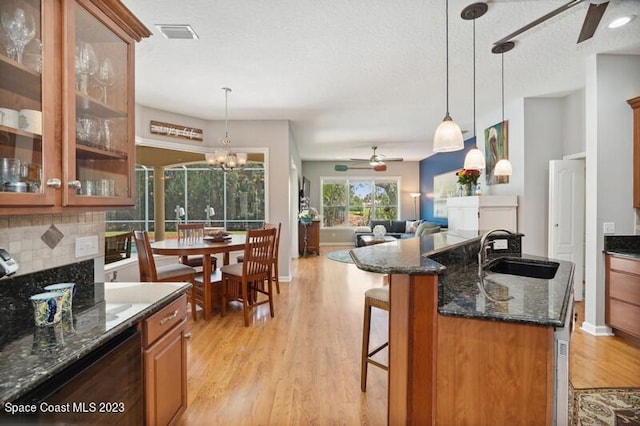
x,y
484,245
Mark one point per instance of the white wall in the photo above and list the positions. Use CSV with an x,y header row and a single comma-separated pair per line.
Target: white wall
x,y
573,141
610,81
543,130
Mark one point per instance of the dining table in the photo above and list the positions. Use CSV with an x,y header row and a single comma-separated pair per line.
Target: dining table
x,y
206,247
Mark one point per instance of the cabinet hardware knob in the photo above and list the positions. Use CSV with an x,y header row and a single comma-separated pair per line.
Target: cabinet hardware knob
x,y
164,320
54,183
75,184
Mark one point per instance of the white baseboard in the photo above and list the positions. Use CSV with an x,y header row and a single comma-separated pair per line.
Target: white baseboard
x,y
596,330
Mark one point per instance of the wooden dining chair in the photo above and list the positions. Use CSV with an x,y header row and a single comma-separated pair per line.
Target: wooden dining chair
x,y
193,232
244,281
276,250
168,273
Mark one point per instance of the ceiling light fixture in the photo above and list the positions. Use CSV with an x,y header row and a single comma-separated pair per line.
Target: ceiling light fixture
x,y
474,160
619,22
225,158
503,166
448,136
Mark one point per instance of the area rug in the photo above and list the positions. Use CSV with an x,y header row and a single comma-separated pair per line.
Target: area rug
x,y
605,406
340,256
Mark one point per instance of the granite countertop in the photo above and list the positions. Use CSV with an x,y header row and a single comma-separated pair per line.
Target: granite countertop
x,y
453,256
410,255
630,253
30,355
531,300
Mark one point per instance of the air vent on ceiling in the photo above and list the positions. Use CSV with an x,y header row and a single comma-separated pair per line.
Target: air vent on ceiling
x,y
180,32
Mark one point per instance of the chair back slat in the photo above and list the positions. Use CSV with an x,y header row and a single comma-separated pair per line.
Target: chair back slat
x,y
258,252
146,263
190,232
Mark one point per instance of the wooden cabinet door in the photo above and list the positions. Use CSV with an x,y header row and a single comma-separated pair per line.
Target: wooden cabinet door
x,y
635,104
165,371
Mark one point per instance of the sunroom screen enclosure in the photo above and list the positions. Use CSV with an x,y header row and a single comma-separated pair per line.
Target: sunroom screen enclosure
x,y
237,198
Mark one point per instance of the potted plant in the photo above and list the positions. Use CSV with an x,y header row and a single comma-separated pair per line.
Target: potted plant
x,y
307,215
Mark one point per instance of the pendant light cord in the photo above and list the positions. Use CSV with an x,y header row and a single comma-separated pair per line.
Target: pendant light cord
x,y
447,48
226,113
474,82
502,58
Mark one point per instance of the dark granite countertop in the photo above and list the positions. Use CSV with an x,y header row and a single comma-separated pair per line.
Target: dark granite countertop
x,y
630,253
531,300
411,255
30,355
453,255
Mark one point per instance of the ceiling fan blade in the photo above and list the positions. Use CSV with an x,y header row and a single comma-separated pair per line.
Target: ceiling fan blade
x,y
591,21
539,21
392,159
359,159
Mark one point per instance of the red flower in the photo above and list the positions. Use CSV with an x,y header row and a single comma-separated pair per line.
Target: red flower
x,y
468,176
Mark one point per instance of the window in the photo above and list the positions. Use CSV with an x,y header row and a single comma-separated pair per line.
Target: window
x,y
356,201
237,198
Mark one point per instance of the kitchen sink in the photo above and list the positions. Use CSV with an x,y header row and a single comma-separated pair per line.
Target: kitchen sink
x,y
524,267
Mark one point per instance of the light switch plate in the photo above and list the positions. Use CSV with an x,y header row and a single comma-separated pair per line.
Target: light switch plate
x,y
608,228
501,244
86,246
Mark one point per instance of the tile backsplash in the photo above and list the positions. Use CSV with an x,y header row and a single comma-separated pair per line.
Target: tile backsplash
x,y
22,235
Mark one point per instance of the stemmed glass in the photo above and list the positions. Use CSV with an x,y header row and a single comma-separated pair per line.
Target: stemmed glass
x,y
86,65
20,28
105,77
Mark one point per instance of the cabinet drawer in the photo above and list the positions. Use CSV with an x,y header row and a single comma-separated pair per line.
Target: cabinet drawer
x,y
625,287
625,265
624,316
164,320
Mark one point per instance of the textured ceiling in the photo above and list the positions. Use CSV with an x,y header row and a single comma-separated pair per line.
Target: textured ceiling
x,y
349,74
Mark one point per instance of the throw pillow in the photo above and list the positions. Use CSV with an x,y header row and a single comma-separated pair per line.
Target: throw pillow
x,y
363,229
420,228
411,226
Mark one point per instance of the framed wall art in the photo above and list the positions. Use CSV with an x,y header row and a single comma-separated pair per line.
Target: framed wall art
x,y
496,146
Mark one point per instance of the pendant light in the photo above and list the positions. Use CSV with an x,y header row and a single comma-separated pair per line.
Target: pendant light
x,y
503,166
474,160
225,158
448,136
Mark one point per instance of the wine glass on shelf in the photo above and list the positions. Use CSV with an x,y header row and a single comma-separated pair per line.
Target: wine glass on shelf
x,y
86,64
20,27
105,77
8,48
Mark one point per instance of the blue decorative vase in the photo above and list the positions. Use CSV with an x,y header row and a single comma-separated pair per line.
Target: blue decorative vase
x,y
305,220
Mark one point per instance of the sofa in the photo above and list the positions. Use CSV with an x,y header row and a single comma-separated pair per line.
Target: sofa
x,y
398,229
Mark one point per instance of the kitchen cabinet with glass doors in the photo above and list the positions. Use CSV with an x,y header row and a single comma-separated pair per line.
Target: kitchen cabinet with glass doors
x,y
66,104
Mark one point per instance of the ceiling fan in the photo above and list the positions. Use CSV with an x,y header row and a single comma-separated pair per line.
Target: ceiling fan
x,y
589,25
376,159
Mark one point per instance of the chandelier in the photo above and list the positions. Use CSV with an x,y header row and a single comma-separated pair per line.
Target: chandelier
x,y
225,158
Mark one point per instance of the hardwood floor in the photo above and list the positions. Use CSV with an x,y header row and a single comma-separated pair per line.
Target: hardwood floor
x,y
303,366
601,362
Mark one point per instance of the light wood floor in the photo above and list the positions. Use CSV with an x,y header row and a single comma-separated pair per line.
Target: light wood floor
x,y
303,366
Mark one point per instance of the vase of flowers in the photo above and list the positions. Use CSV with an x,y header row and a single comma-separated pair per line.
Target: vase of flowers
x,y
468,178
306,216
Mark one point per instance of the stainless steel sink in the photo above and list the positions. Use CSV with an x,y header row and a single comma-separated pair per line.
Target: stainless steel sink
x,y
531,268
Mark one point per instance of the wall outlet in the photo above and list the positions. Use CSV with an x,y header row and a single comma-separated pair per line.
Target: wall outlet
x,y
86,246
501,244
608,228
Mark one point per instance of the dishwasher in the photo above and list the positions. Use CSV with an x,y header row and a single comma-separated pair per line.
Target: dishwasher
x,y
103,387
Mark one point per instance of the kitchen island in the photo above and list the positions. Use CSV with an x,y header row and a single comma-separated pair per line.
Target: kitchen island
x,y
36,363
464,350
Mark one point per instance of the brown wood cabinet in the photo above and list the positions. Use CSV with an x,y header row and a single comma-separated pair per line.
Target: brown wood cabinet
x,y
165,363
635,104
622,292
309,238
67,131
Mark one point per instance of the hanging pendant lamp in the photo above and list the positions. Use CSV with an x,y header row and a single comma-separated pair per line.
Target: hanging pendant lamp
x,y
448,136
225,158
503,166
474,160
